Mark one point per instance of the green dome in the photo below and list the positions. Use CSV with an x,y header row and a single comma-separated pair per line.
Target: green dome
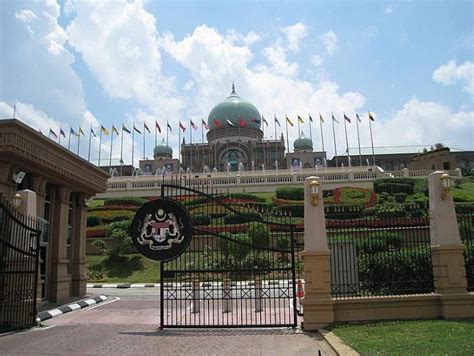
x,y
163,150
234,109
303,144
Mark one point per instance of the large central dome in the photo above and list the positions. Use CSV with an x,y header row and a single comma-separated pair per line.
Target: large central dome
x,y
239,112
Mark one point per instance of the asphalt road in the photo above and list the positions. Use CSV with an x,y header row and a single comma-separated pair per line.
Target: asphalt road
x,y
127,324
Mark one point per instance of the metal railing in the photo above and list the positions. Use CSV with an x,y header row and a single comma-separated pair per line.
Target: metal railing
x,y
465,217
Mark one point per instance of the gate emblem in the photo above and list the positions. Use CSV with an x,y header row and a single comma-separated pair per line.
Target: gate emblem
x,y
161,229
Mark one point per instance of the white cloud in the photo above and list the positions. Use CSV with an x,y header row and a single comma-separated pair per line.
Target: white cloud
x,y
330,42
317,60
389,9
294,35
249,39
451,74
27,16
276,56
371,31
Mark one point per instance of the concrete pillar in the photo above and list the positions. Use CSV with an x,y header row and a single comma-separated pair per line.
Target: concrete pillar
x,y
447,253
39,186
79,275
28,203
318,306
406,173
59,279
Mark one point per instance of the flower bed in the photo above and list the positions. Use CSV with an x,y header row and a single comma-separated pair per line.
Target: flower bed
x,y
114,215
425,221
96,231
114,207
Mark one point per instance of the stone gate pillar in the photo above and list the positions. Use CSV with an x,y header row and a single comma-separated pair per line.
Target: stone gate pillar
x,y
318,306
447,250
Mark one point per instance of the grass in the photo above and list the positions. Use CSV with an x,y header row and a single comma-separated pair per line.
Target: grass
x,y
95,203
432,337
133,268
466,189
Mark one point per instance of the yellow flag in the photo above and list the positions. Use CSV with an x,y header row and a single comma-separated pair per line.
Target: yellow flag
x,y
300,119
104,130
289,121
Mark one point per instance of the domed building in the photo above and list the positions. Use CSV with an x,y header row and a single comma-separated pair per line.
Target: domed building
x,y
163,161
303,155
235,140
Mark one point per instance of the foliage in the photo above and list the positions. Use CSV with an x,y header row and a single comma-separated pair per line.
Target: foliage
x,y
291,209
237,246
343,212
259,234
96,231
113,215
93,221
460,196
354,196
122,244
242,218
246,197
400,197
100,244
407,181
393,188
416,198
201,219
421,186
290,193
123,225
129,201
379,241
283,243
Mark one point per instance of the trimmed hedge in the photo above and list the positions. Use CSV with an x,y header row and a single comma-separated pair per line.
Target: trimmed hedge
x,y
113,215
242,218
400,197
380,241
126,201
93,221
259,234
394,188
290,193
296,210
201,219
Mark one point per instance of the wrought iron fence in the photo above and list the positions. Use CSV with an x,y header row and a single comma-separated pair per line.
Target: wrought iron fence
x,y
465,217
378,252
19,257
241,267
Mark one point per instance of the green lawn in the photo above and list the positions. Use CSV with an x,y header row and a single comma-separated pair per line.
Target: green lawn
x,y
466,190
433,337
133,268
95,203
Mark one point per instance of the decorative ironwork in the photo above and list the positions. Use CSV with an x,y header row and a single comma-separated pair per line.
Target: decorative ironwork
x,y
240,267
379,251
465,216
19,261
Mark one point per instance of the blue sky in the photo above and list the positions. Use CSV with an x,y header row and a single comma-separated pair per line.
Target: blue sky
x,y
90,63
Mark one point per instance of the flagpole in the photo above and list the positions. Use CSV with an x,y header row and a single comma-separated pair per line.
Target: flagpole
x,y
287,140
202,141
59,142
179,145
69,140
347,142
89,150
276,145
156,129
321,127
310,133
191,146
144,134
167,128
334,137
133,147
238,141
372,140
100,143
78,141
358,140
264,153
111,143
299,131
121,152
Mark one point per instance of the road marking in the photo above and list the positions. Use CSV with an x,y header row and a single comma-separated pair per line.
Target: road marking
x,y
110,300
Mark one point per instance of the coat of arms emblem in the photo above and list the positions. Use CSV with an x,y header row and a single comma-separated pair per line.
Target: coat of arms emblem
x,y
161,230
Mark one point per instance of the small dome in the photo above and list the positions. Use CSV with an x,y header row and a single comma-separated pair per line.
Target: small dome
x,y
303,144
239,112
163,150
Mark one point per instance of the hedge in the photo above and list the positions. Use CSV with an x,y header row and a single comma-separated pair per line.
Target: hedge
x,y
400,197
124,225
113,215
259,234
379,241
93,221
136,201
242,218
201,219
290,193
394,188
296,210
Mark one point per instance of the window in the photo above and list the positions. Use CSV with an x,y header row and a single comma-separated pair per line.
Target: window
x,y
446,166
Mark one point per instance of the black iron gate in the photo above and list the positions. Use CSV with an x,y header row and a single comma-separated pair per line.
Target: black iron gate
x,y
19,255
240,269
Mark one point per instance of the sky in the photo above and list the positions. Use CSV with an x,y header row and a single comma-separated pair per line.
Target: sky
x,y
91,63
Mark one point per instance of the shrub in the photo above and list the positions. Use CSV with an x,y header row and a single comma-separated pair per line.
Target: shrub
x,y
290,193
100,244
236,246
408,181
466,231
201,219
123,225
114,215
93,221
122,244
421,186
354,196
379,241
242,218
282,242
344,212
245,196
296,210
259,234
462,197
394,188
126,201
400,197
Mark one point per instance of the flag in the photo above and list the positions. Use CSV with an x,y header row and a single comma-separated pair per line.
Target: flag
x,y
81,132
289,121
168,126
146,127
104,130
229,123
204,123
358,118
51,132
254,119
310,118
242,123
321,118
217,123
276,121
157,126
93,133
182,127
73,132
192,125
300,119
347,119
334,119
114,130
265,121
61,132
371,118
137,130
125,128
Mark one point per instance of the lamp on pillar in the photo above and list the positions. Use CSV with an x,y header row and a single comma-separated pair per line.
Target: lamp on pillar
x,y
445,185
16,200
314,186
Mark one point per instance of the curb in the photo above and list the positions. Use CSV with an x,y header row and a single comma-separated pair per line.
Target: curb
x,y
45,315
181,285
337,345
124,285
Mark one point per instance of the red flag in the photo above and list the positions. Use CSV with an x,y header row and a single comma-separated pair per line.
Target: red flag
x,y
158,126
204,123
218,124
242,123
181,126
